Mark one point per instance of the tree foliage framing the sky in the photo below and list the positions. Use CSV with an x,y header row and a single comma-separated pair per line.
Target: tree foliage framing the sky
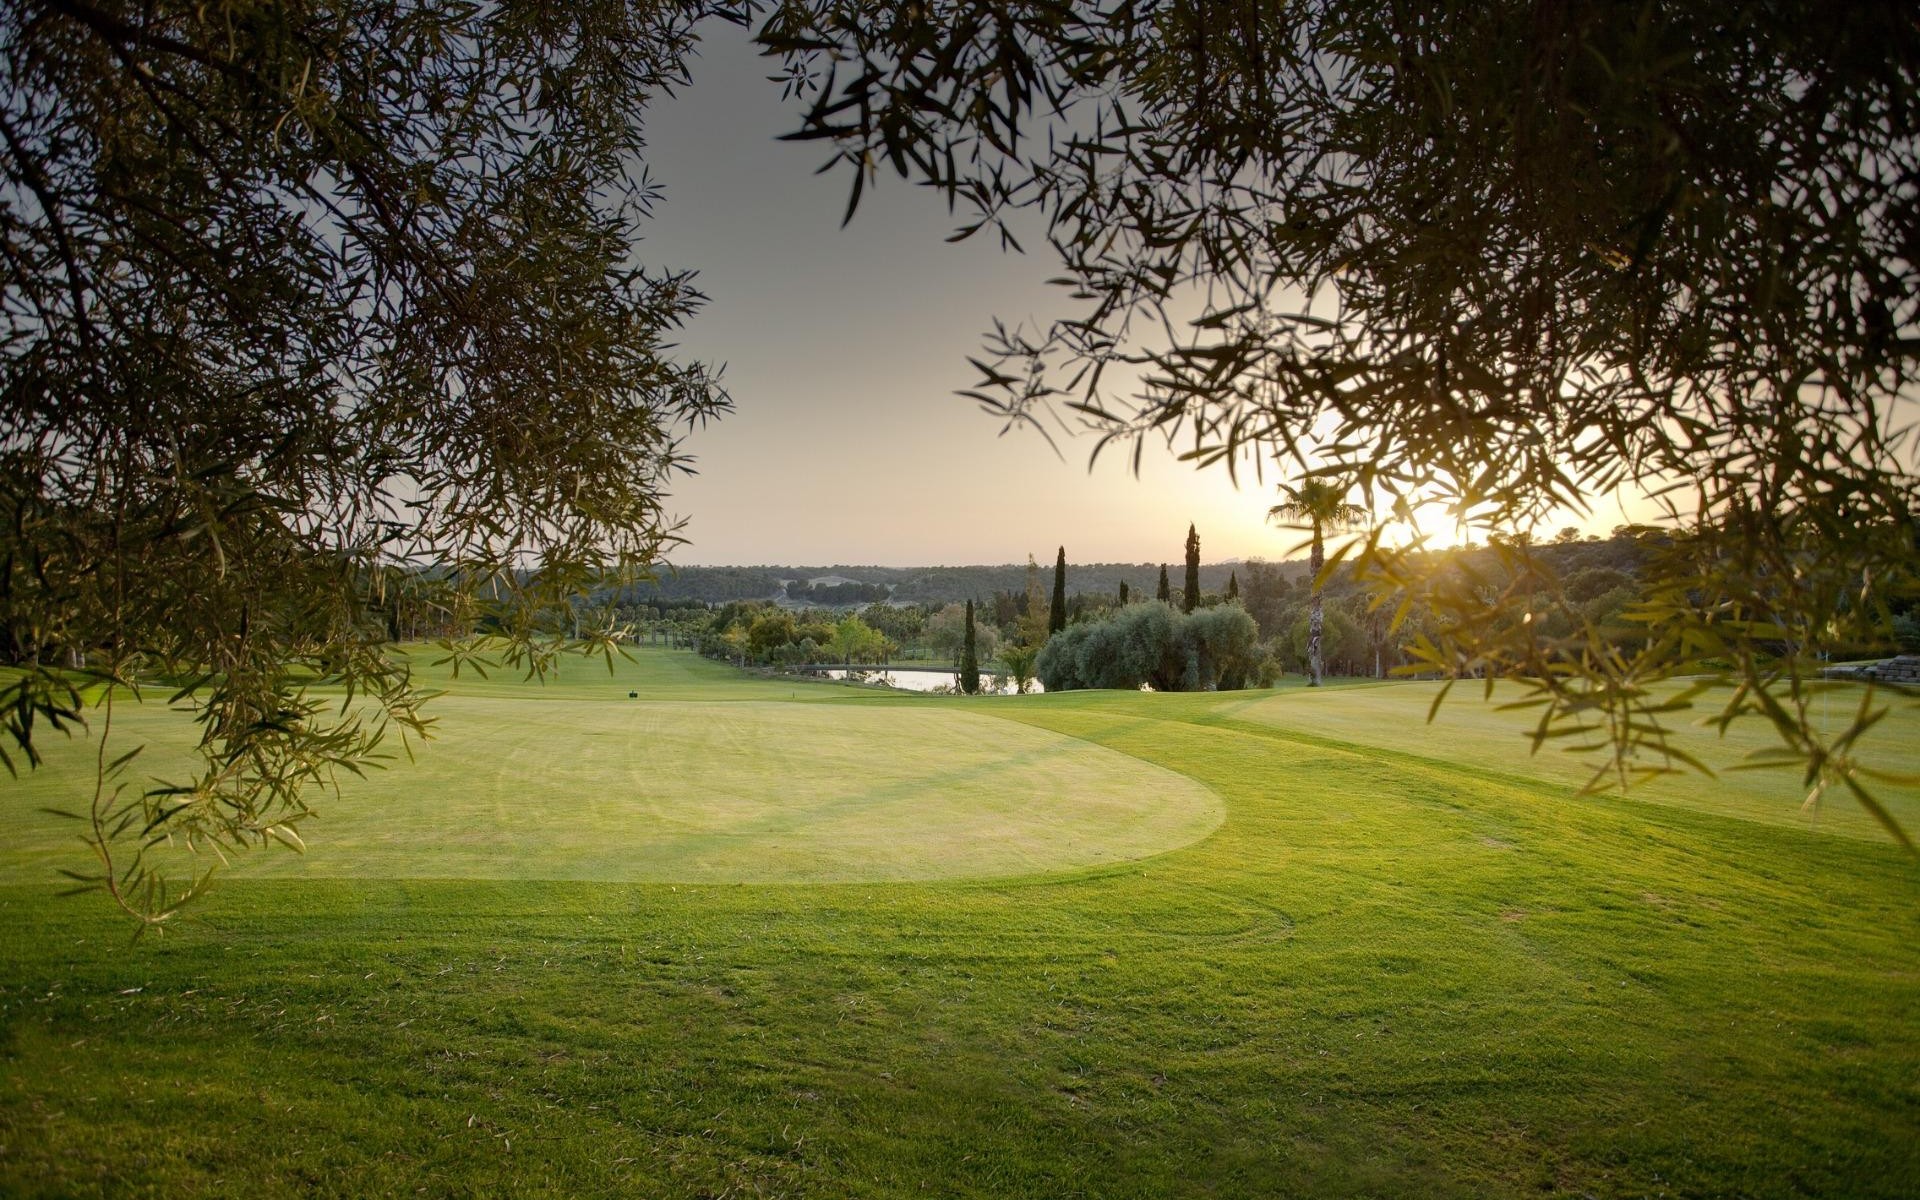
x,y
309,308
1505,256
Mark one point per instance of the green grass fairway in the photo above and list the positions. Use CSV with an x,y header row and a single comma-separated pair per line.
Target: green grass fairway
x,y
1392,718
743,937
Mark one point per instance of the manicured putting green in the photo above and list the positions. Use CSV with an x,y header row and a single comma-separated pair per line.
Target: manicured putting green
x,y
725,791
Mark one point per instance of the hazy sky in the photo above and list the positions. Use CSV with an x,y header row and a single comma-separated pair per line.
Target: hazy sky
x,y
843,348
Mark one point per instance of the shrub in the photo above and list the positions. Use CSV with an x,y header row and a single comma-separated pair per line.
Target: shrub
x,y
1906,633
1267,666
1058,663
1151,643
1224,642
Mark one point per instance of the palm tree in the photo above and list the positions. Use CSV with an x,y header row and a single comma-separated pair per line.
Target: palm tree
x,y
1317,505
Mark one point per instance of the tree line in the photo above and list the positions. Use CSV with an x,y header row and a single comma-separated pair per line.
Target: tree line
x,y
937,585
1595,583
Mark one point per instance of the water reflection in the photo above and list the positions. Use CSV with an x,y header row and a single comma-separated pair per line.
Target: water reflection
x,y
930,679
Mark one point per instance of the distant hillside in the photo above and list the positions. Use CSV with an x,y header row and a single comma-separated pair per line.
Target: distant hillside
x,y
924,585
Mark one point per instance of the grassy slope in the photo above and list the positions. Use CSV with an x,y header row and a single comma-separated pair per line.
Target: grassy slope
x,y
1383,975
1393,717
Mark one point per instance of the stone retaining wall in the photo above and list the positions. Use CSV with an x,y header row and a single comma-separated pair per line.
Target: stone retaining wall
x,y
1903,670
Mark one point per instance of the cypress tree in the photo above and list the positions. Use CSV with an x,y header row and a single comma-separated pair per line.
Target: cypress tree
x,y
1233,585
1123,593
1033,623
1165,594
1057,615
1190,596
969,659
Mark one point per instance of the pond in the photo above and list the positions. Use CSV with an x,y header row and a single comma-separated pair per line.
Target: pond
x,y
929,679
